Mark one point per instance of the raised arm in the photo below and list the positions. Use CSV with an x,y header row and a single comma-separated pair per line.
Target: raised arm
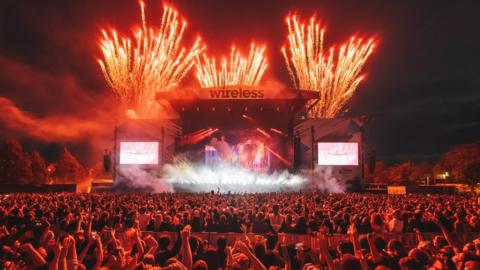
x,y
286,256
72,260
242,247
447,235
419,235
373,249
139,244
36,258
99,261
150,241
185,251
57,251
322,241
352,232
83,254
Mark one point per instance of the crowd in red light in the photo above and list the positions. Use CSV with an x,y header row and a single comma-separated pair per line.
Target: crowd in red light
x,y
114,231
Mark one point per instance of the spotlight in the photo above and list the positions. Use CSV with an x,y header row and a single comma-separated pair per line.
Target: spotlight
x,y
264,133
277,131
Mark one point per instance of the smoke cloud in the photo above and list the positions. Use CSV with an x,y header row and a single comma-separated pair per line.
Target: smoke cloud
x,y
140,178
228,177
324,179
55,128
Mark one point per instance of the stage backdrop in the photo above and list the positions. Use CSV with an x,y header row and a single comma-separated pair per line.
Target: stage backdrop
x,y
143,145
330,151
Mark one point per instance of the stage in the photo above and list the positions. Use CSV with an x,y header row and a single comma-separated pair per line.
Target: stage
x,y
240,140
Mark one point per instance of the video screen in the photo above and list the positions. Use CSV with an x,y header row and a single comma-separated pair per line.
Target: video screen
x,y
338,153
139,153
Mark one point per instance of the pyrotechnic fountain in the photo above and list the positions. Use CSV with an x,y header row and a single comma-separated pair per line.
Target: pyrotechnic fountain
x,y
334,74
238,70
153,60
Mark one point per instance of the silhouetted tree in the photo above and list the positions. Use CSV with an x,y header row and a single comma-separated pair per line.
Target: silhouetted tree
x,y
398,174
39,169
68,168
460,162
419,171
15,165
471,173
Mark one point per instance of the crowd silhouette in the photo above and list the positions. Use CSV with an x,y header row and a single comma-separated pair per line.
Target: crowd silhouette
x,y
164,231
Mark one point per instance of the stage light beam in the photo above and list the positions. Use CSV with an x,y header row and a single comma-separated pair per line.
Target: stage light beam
x,y
264,133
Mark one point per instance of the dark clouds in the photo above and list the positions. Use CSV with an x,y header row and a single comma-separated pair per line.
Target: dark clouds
x,y
422,83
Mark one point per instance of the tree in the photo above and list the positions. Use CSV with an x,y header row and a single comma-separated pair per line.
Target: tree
x,y
420,171
68,168
471,172
39,169
398,174
460,162
379,172
15,165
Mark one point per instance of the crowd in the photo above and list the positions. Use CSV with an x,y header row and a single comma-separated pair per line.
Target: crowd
x,y
157,231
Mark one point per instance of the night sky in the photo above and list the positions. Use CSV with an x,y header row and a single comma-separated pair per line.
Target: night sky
x,y
422,85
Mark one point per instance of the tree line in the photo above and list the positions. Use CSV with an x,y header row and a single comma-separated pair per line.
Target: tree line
x,y
461,164
20,167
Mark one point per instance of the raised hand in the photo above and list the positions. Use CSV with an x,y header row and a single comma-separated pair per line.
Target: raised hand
x,y
281,238
241,246
243,228
57,248
185,233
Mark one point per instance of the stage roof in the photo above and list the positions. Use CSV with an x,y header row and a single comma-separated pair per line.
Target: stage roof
x,y
184,99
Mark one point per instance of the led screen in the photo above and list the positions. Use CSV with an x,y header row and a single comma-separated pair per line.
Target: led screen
x,y
338,153
139,153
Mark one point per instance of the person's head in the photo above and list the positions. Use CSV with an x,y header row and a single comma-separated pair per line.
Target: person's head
x,y
301,222
363,242
194,243
379,243
345,247
276,209
350,262
272,240
148,259
469,247
397,214
221,243
420,256
396,248
200,265
376,220
240,261
439,242
211,258
409,263
471,265
163,242
260,250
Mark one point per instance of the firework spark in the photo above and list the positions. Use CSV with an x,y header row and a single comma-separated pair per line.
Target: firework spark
x,y
153,60
237,71
335,74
